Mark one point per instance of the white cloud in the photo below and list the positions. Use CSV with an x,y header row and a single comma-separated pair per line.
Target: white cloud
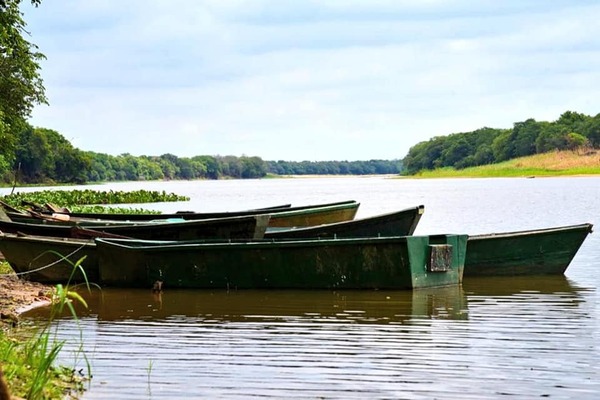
x,y
326,80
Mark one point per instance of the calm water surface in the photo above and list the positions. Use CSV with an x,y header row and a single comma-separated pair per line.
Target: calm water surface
x,y
491,338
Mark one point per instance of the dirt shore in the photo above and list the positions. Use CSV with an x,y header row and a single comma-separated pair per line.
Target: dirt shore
x,y
18,295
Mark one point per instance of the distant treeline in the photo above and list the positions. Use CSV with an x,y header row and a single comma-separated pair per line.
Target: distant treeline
x,y
45,156
488,145
371,167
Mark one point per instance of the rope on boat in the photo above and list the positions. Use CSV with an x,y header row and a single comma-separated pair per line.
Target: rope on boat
x,y
46,266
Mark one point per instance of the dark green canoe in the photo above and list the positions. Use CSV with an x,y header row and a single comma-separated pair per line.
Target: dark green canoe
x,y
50,259
398,223
532,252
405,262
337,211
282,217
245,227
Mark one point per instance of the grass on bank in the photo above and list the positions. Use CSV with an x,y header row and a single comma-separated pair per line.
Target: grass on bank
x,y
557,163
28,359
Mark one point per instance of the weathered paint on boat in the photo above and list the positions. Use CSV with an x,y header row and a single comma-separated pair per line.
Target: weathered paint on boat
x,y
50,259
533,252
209,215
406,262
249,227
280,217
399,223
314,216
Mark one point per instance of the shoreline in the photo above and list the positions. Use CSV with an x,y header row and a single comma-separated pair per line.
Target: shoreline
x,y
18,296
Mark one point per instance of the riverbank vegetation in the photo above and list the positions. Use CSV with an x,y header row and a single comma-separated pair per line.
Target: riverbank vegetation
x,y
28,354
556,163
571,131
91,200
45,156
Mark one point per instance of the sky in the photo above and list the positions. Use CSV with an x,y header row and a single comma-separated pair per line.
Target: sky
x,y
299,80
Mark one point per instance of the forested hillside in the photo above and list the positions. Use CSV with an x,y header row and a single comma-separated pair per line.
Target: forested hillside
x,y
571,130
44,156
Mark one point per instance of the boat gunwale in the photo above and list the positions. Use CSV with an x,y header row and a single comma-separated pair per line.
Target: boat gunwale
x,y
566,228
158,245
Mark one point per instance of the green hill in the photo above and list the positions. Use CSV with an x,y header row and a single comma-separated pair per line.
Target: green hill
x,y
556,163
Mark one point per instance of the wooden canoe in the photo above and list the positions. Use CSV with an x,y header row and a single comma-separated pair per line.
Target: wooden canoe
x,y
189,215
280,217
405,262
50,259
245,227
399,223
531,252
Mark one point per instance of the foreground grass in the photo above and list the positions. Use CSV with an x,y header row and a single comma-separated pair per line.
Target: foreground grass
x,y
5,268
27,358
559,163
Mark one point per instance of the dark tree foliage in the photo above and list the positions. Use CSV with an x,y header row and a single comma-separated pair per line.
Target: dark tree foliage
x,y
488,145
43,155
370,167
21,85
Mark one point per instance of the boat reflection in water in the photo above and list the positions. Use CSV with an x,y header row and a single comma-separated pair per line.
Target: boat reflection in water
x,y
361,306
499,286
274,343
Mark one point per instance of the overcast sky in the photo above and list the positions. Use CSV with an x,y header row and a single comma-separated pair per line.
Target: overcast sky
x,y
307,80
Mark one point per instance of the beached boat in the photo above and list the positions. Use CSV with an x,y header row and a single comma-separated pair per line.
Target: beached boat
x,y
281,216
190,215
405,262
532,252
50,259
399,223
246,227
25,251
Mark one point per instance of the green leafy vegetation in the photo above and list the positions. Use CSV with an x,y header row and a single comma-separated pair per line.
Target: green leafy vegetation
x,y
371,167
557,163
28,356
91,200
21,86
5,268
572,131
45,156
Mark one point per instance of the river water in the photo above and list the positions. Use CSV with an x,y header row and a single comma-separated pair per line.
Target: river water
x,y
491,338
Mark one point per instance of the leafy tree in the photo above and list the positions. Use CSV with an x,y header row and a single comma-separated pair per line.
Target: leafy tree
x,y
253,167
213,168
552,137
575,141
457,150
523,137
502,147
483,155
574,121
21,85
591,130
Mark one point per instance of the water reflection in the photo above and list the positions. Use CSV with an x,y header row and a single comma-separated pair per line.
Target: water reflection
x,y
380,307
489,338
506,286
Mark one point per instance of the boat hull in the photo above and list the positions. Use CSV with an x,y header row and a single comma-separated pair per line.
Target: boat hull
x,y
250,227
535,252
400,223
286,215
49,259
407,262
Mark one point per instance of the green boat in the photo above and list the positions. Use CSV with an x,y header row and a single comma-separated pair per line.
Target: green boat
x,y
404,262
399,223
25,251
282,216
532,252
50,259
246,227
